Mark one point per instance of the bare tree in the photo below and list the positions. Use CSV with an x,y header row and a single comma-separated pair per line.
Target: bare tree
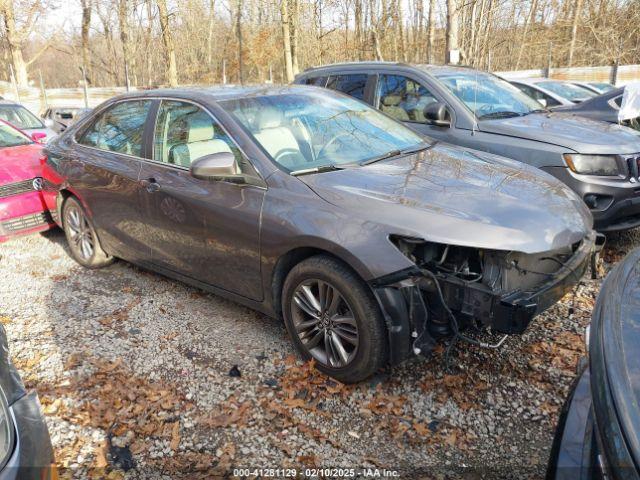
x,y
87,7
451,30
286,40
432,30
123,25
167,40
16,35
577,9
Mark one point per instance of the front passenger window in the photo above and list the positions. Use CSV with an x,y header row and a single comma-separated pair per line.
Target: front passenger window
x,y
185,132
403,99
119,129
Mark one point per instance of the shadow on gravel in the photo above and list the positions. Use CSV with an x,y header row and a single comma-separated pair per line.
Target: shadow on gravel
x,y
147,359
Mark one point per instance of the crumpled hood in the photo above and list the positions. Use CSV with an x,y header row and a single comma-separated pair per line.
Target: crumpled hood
x,y
579,134
448,195
20,163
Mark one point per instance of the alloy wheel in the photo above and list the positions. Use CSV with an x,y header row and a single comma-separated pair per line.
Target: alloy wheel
x,y
80,234
325,323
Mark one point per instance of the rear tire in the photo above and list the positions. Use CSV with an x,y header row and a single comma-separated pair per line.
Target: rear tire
x,y
332,317
81,236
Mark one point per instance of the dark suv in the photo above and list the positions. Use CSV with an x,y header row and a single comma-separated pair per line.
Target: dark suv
x,y
475,109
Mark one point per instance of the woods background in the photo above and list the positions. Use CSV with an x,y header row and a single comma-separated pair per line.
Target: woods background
x,y
167,42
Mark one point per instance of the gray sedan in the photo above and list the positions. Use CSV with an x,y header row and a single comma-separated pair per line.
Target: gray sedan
x,y
302,203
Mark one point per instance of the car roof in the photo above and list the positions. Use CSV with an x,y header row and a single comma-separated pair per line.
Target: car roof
x,y
390,65
533,81
216,93
9,103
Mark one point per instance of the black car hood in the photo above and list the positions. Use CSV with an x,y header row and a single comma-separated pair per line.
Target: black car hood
x,y
597,108
449,195
615,362
579,134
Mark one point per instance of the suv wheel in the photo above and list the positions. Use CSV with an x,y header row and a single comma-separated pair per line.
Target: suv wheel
x,y
81,236
332,317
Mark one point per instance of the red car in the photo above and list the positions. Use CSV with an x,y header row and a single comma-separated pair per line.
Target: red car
x,y
22,206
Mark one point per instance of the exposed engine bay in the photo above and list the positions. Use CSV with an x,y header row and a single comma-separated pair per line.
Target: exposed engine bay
x,y
455,288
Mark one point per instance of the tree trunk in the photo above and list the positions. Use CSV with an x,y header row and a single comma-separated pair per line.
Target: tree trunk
x,y
167,41
239,33
149,33
529,20
212,4
286,40
14,43
432,31
400,20
295,22
574,30
358,24
451,31
123,25
84,37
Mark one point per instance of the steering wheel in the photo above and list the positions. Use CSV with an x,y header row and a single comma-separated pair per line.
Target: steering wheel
x,y
285,153
330,143
484,109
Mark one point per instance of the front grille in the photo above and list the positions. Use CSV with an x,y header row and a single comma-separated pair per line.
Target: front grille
x,y
26,222
17,188
633,164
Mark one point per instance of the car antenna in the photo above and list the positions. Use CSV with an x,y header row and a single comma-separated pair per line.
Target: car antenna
x,y
475,103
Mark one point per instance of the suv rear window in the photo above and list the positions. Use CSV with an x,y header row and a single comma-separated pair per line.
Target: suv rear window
x,y
352,85
316,81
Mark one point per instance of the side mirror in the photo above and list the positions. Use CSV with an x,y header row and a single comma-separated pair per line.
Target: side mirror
x,y
436,113
217,166
38,137
543,102
48,122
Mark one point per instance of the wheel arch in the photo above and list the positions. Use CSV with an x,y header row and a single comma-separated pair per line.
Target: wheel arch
x,y
293,257
65,192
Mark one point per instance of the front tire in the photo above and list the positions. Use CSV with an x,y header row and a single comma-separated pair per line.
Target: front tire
x,y
81,236
332,317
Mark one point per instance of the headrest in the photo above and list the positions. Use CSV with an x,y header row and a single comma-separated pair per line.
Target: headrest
x,y
270,117
391,100
200,129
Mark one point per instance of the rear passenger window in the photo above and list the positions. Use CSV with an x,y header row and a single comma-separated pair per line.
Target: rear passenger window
x,y
403,99
352,85
119,129
317,81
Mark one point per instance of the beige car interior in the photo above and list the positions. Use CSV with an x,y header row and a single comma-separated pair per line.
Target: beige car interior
x,y
391,106
284,142
190,137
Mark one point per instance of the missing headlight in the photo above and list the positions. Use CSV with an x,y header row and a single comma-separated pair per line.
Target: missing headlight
x,y
484,288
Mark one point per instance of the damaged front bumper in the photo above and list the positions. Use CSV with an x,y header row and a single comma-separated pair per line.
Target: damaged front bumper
x,y
417,303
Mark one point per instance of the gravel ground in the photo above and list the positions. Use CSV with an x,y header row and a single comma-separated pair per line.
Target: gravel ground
x,y
144,377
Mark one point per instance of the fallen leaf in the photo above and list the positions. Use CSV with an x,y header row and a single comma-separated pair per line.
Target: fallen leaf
x,y
175,436
101,455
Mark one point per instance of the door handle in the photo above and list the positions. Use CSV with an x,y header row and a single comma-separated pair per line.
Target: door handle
x,y
150,185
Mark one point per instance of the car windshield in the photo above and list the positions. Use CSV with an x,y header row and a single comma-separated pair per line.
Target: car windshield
x,y
315,129
486,95
567,90
10,137
19,116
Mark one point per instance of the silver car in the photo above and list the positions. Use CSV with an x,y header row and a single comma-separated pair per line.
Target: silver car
x,y
20,117
553,93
